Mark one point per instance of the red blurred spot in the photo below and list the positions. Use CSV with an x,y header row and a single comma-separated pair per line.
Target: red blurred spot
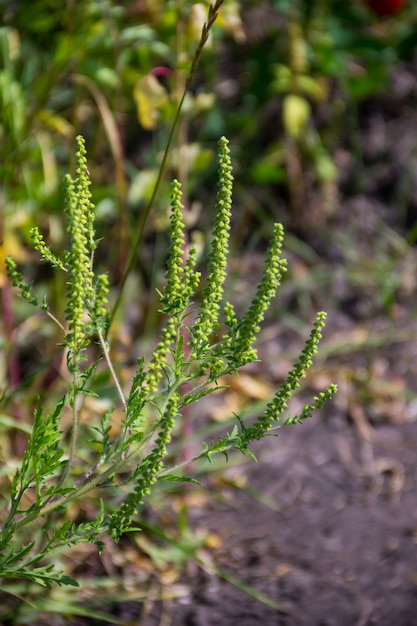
x,y
385,7
160,70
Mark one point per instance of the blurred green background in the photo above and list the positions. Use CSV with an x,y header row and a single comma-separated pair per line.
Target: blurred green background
x,y
318,99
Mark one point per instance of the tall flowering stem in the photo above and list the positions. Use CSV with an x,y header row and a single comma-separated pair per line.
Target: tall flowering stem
x,y
79,209
181,282
276,408
248,329
86,296
208,319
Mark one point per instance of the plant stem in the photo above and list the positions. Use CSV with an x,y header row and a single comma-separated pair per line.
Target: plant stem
x,y
111,368
54,319
74,437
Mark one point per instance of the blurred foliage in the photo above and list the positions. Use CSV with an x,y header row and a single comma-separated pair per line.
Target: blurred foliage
x,y
285,80
309,66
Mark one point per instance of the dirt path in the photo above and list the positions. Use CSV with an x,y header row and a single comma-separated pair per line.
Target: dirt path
x,y
337,544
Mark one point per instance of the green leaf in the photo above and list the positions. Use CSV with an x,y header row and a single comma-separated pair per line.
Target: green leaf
x,y
179,479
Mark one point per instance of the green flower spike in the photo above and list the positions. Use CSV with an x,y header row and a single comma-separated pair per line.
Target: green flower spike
x,y
146,473
173,298
17,281
44,250
99,310
79,209
181,283
249,327
207,320
277,406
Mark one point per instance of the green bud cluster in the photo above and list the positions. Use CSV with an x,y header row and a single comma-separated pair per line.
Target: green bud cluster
x,y
99,307
159,359
279,403
249,327
181,283
181,277
16,279
45,251
146,472
79,209
207,321
172,300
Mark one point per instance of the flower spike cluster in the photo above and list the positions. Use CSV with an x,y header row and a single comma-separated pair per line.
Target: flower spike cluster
x,y
190,362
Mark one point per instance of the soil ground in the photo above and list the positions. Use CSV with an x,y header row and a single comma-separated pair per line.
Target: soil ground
x,y
337,545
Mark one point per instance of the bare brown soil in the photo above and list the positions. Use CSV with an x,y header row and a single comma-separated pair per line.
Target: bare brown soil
x,y
337,545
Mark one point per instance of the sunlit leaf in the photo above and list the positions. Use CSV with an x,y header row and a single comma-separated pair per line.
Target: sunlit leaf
x,y
296,112
149,96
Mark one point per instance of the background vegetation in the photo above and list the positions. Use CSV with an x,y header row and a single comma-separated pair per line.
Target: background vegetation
x,y
315,98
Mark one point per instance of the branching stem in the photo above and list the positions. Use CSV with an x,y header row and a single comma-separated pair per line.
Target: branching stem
x,y
106,353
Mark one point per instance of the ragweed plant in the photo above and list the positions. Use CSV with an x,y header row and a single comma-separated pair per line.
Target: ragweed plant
x,y
201,342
